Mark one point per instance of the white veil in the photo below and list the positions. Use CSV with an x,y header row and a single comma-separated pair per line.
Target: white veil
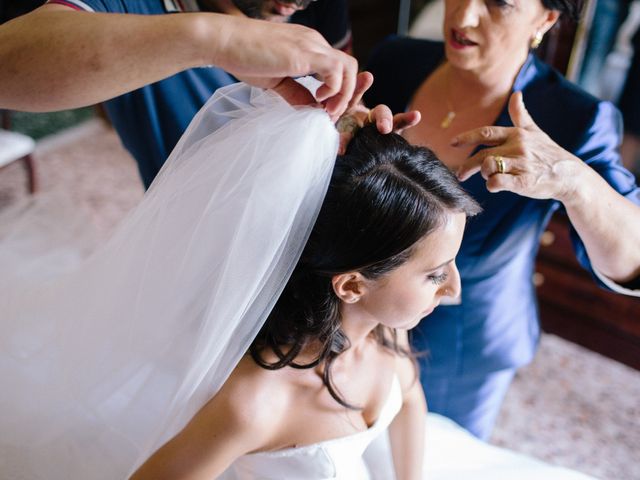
x,y
102,366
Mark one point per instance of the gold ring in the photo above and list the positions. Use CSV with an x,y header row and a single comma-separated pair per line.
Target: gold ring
x,y
499,163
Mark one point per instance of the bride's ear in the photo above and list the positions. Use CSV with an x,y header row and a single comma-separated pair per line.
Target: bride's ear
x,y
349,287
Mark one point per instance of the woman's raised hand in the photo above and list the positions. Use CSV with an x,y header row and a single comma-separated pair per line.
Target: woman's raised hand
x,y
521,159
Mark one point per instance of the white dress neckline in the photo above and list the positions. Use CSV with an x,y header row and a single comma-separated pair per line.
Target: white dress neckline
x,y
387,413
339,458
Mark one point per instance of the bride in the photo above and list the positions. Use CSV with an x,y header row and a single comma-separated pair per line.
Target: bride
x,y
248,318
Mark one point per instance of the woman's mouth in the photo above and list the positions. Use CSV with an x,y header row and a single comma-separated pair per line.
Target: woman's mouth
x,y
459,41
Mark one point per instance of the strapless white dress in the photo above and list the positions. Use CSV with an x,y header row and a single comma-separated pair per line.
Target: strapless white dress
x,y
451,454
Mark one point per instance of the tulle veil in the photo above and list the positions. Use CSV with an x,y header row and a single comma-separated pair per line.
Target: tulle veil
x,y
101,365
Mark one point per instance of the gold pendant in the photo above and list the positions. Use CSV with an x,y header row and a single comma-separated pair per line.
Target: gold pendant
x,y
448,119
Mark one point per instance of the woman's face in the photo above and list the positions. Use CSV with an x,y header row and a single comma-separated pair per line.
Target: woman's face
x,y
410,292
480,34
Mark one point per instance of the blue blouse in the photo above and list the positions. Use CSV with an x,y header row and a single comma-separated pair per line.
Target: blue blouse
x,y
496,325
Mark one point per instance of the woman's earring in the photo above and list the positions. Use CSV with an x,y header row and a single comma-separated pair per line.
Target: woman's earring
x,y
536,40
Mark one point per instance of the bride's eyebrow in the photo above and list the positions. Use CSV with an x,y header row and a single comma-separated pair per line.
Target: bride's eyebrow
x,y
439,266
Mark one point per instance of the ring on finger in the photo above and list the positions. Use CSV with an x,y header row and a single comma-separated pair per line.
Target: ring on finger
x,y
369,119
500,166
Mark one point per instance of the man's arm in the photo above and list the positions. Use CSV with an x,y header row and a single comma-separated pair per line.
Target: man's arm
x,y
56,58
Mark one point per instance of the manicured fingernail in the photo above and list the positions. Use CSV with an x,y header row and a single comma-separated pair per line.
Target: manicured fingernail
x,y
386,125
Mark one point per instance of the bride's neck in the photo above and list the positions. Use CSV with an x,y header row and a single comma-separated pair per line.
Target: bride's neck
x,y
357,326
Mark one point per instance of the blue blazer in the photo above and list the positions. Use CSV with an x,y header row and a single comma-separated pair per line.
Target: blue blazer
x,y
496,325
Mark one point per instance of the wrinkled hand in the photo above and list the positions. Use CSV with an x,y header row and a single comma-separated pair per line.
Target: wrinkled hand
x,y
533,164
263,53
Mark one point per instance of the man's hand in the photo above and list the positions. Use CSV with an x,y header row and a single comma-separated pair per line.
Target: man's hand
x,y
358,115
263,53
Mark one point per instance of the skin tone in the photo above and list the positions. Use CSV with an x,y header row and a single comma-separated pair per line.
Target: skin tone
x,y
260,410
59,58
381,115
56,58
477,79
479,74
276,11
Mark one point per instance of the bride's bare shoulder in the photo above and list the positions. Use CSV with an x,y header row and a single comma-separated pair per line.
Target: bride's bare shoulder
x,y
253,397
244,416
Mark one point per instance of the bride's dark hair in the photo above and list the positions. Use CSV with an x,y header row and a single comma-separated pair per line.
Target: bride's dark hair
x,y
384,196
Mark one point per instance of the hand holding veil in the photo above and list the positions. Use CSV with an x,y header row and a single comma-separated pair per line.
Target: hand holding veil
x,y
103,365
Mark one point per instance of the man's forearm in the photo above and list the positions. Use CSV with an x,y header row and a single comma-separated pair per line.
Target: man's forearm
x,y
56,58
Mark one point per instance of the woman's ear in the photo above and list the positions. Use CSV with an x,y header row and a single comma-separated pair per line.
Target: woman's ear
x,y
349,287
549,20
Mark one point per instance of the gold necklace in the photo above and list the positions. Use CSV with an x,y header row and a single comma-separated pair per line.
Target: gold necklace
x,y
451,113
449,117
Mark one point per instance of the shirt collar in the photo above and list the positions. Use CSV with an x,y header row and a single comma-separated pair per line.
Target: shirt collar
x,y
178,6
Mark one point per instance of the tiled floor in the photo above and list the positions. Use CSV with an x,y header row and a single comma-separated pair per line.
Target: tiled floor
x,y
570,407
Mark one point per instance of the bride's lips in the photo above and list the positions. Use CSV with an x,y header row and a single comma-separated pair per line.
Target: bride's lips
x,y
284,9
459,40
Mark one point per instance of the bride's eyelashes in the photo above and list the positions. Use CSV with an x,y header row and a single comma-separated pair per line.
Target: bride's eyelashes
x,y
438,279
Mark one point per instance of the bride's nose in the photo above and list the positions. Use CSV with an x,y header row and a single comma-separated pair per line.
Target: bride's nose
x,y
452,287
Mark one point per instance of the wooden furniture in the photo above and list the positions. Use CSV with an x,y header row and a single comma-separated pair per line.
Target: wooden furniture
x,y
564,45
574,307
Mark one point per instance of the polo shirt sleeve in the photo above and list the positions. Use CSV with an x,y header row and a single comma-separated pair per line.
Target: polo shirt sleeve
x,y
599,149
92,5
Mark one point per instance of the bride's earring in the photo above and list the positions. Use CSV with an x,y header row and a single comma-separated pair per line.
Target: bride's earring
x,y
537,39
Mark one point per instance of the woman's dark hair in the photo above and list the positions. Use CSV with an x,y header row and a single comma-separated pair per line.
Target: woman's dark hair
x,y
569,8
384,196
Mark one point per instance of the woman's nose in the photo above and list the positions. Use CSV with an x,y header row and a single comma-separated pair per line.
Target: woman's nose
x,y
466,12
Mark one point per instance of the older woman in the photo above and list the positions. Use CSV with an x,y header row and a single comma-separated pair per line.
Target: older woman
x,y
563,154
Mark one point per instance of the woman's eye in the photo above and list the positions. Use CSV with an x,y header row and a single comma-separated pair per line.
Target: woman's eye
x,y
438,279
500,3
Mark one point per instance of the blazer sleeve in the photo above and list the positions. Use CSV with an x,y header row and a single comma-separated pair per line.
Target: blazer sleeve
x,y
599,148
